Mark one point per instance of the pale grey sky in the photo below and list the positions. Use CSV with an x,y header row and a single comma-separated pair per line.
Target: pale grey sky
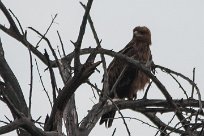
x,y
177,42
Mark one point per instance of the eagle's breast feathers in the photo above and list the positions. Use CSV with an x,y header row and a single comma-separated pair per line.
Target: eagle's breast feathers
x,y
133,79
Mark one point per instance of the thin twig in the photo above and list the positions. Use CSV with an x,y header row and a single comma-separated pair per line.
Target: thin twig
x,y
179,85
167,70
52,50
181,124
48,42
175,129
126,126
201,132
147,90
38,119
37,45
17,21
94,86
193,81
113,89
143,122
58,50
7,118
170,121
31,80
63,50
9,18
4,122
114,132
52,77
43,83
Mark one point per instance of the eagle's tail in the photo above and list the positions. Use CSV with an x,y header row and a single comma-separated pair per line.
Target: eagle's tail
x,y
107,118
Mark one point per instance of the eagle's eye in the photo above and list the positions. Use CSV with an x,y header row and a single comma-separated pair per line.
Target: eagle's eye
x,y
138,33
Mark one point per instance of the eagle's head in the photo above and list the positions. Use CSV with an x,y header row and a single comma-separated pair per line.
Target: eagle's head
x,y
142,34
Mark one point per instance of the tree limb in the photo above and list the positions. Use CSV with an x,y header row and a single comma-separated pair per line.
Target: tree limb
x,y
137,105
80,37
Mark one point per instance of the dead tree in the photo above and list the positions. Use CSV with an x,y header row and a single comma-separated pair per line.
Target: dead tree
x,y
188,110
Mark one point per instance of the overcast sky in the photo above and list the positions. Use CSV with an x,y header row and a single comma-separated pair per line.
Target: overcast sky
x,y
177,28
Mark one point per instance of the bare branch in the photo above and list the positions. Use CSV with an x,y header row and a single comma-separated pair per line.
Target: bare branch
x,y
105,77
14,32
185,78
11,126
137,105
114,132
4,122
52,77
146,91
94,86
61,43
80,37
113,90
128,131
179,85
17,21
70,113
52,50
194,82
9,18
14,92
31,80
48,42
53,19
12,107
27,125
68,91
143,122
43,83
7,118
149,74
188,111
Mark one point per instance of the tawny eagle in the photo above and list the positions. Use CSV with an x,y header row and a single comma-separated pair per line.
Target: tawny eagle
x,y
132,79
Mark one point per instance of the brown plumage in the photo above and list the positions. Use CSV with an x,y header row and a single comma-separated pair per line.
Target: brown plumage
x,y
133,79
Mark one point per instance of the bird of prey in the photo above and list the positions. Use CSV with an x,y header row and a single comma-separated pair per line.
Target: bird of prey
x,y
132,80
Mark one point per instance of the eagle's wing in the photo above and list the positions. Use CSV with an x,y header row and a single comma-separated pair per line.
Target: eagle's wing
x,y
114,70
